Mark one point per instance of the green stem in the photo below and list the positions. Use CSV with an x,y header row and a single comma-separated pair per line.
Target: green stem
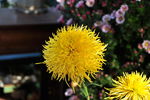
x,y
88,98
85,91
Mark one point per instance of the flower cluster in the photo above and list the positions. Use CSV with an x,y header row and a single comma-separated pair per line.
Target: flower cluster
x,y
80,11
118,15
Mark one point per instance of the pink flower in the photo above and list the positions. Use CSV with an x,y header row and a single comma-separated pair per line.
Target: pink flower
x,y
104,4
140,46
83,17
135,51
88,13
106,18
61,19
146,44
72,1
120,20
141,59
100,94
90,3
124,8
148,50
91,97
141,30
133,1
70,21
119,13
74,98
80,4
78,15
69,92
106,28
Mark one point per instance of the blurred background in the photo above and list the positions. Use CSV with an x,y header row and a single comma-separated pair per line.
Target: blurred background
x,y
25,25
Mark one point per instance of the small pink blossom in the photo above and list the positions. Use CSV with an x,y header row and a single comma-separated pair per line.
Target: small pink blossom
x,y
135,51
69,92
141,30
74,97
104,4
146,44
140,46
78,15
72,11
100,94
148,50
83,17
133,1
120,20
80,4
70,2
124,8
141,59
90,3
91,97
88,13
106,28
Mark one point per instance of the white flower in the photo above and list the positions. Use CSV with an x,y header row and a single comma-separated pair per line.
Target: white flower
x,y
106,28
124,7
120,20
69,92
106,18
90,3
61,2
98,24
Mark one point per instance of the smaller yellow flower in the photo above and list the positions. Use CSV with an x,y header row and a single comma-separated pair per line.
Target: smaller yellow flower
x,y
134,86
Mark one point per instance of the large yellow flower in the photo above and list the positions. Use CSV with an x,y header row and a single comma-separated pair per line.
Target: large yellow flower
x,y
74,54
134,86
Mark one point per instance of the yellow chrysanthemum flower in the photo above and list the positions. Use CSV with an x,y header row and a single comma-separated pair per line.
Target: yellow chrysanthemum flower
x,y
74,54
134,86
